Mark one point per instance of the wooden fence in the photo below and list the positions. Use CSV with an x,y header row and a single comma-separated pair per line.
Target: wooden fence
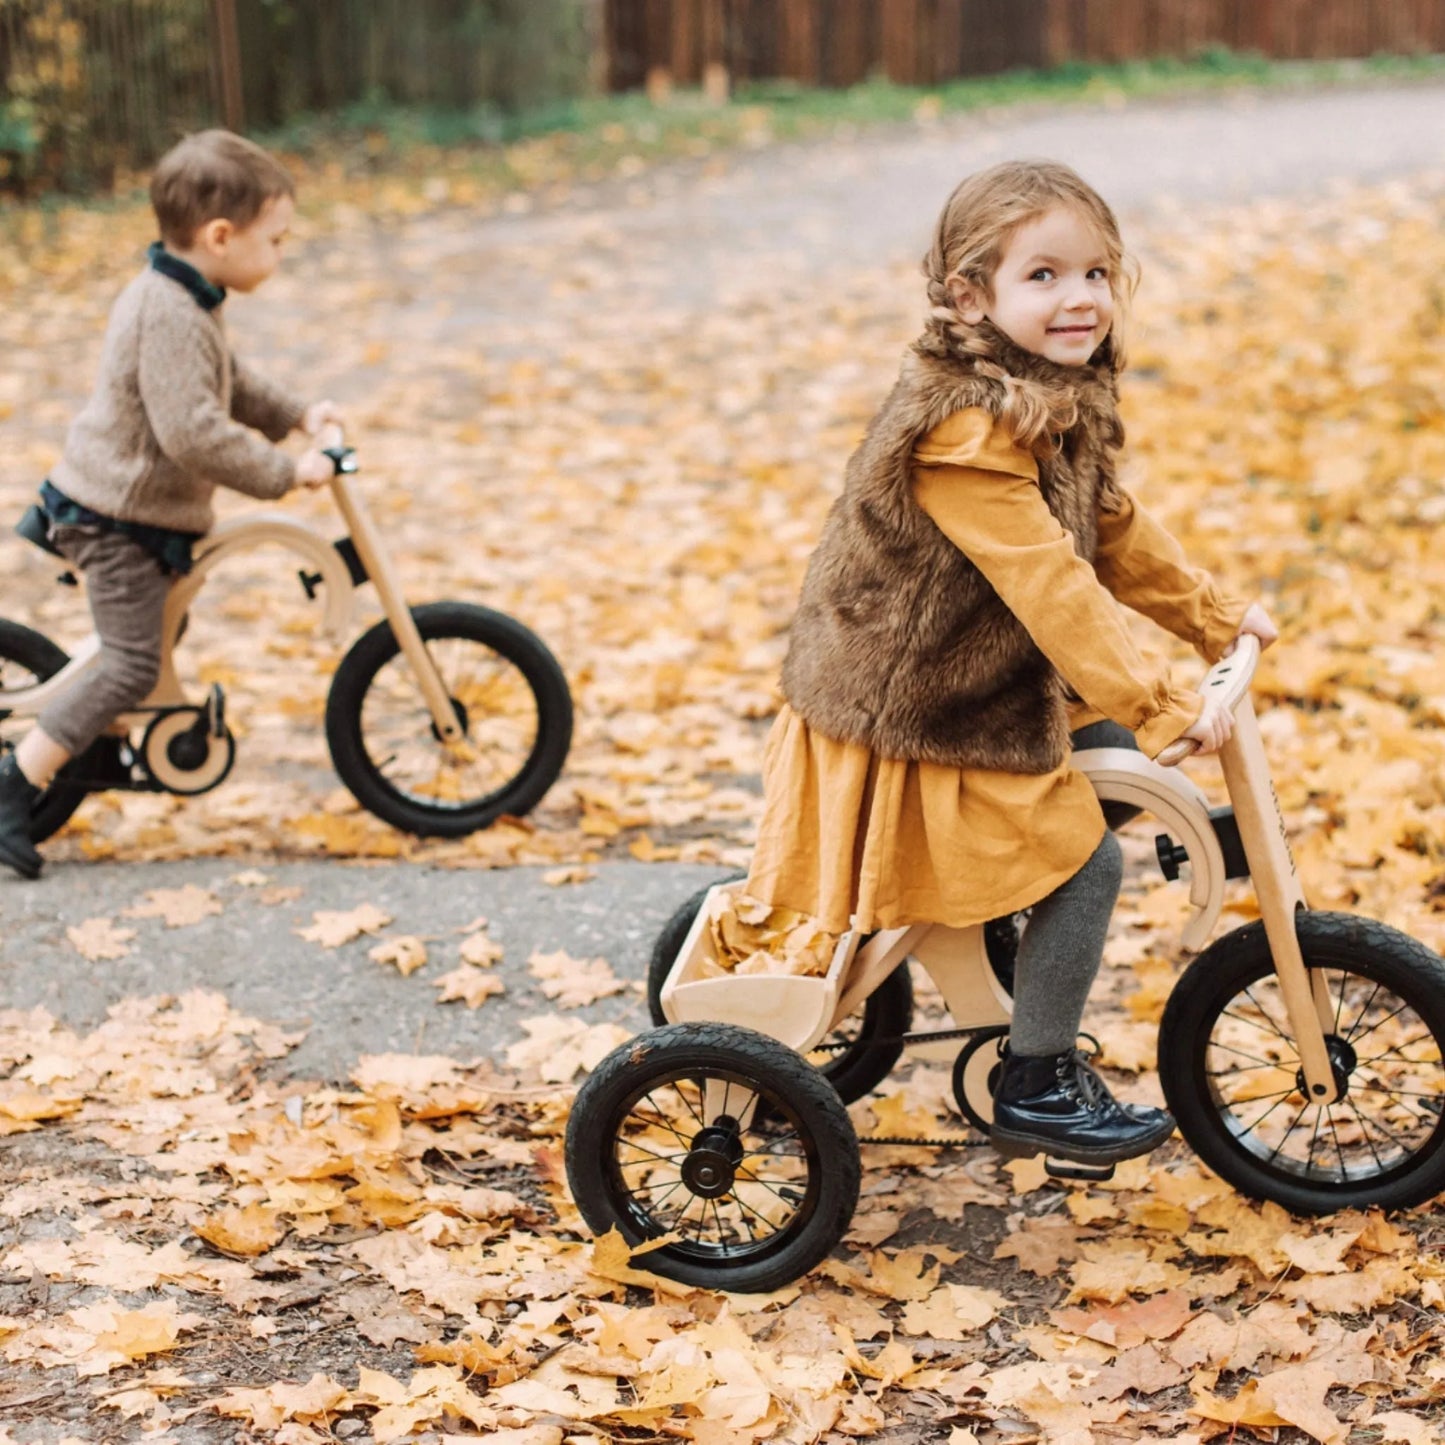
x,y
89,86
926,42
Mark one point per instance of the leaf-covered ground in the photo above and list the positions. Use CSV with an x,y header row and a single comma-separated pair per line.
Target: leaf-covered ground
x,y
192,1247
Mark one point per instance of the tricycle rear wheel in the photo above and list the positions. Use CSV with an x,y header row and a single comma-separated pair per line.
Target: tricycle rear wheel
x,y
724,1139
1231,1072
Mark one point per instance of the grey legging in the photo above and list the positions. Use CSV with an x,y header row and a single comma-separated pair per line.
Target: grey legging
x,y
1063,942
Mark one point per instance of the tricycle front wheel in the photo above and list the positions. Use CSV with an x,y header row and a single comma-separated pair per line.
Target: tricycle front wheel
x,y
509,695
1232,1074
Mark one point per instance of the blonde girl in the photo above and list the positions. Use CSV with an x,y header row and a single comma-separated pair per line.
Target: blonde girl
x,y
958,621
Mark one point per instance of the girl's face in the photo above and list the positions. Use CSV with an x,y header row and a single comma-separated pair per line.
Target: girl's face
x,y
1051,292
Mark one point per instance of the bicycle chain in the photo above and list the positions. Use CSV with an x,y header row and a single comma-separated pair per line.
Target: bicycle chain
x,y
924,1036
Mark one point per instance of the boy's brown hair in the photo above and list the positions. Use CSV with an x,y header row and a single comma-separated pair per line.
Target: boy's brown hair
x,y
211,175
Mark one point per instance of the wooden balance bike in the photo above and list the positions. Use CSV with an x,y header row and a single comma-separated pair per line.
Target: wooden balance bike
x,y
439,719
1301,1054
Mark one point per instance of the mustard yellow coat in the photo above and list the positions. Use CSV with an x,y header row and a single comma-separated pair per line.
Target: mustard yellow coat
x,y
857,840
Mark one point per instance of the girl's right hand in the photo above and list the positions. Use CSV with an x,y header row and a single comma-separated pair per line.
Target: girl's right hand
x,y
1212,728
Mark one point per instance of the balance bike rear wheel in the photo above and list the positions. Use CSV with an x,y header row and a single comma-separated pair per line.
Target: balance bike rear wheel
x,y
28,657
1232,1076
724,1137
856,1068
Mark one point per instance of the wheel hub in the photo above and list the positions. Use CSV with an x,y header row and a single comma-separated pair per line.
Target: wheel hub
x,y
711,1164
463,719
1343,1059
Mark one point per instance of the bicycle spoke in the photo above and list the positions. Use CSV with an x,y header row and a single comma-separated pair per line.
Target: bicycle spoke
x,y
1351,1038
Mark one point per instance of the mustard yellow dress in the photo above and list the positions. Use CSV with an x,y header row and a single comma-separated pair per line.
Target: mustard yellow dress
x,y
857,840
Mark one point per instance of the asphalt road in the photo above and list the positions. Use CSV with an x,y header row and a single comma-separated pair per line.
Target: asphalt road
x,y
797,212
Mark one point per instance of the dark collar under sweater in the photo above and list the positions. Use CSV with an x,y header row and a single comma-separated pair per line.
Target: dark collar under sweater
x,y
207,294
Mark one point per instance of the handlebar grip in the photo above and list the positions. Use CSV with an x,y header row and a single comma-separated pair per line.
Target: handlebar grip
x,y
1176,752
1229,681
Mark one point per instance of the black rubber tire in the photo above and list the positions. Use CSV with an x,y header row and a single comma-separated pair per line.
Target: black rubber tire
x,y
792,1094
38,655
1330,941
854,1071
437,621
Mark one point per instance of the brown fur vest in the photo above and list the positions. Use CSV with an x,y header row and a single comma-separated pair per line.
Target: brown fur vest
x,y
899,642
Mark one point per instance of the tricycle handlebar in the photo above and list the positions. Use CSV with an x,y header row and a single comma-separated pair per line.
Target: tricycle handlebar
x,y
1227,681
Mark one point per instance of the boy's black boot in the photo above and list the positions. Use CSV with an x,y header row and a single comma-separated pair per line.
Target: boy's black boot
x,y
18,797
1058,1105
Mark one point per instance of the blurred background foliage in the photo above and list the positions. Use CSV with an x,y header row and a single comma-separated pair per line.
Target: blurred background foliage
x,y
91,87
93,90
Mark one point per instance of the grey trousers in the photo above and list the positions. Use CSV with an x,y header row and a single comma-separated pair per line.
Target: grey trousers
x,y
127,589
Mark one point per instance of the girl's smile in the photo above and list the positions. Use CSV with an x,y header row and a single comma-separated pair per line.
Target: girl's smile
x,y
1052,293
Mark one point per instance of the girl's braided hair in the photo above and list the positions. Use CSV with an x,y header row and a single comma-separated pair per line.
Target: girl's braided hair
x,y
969,241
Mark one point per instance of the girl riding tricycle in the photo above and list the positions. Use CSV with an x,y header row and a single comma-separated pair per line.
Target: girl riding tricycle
x,y
956,621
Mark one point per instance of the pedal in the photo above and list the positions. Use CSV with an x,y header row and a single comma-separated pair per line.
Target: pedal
x,y
216,711
1072,1169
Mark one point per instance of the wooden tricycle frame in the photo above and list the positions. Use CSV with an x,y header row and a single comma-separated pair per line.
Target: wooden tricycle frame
x,y
801,1011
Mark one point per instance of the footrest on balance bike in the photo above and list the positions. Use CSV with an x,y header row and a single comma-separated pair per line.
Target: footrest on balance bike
x,y
1072,1169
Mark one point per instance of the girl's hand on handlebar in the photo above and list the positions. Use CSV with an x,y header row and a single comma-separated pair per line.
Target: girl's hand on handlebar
x,y
314,469
320,414
1212,728
1257,623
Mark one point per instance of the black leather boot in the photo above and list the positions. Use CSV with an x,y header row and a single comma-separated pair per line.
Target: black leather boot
x,y
1059,1106
18,797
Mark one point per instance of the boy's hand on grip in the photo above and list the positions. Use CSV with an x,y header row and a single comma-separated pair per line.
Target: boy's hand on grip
x,y
1212,728
320,414
314,469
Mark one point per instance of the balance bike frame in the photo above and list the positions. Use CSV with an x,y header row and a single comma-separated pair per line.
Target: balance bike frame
x,y
340,567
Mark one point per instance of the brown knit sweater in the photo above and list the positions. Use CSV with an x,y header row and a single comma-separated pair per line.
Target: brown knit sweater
x,y
172,416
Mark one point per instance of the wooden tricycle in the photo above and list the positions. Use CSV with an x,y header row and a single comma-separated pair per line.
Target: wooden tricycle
x,y
439,719
1301,1054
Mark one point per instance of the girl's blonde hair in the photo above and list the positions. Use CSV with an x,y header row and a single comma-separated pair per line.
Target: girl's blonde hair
x,y
972,235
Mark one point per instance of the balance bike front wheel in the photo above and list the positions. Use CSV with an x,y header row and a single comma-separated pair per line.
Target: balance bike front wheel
x,y
727,1140
1232,1074
509,696
852,1058
28,657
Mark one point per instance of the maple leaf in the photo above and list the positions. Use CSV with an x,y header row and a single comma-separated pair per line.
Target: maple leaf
x,y
249,1230
98,939
555,877
1040,1246
1294,1395
478,949
953,1312
468,985
557,1048
573,982
332,928
405,953
180,907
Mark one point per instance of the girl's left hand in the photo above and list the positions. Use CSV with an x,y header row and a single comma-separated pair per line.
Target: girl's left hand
x,y
1257,623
